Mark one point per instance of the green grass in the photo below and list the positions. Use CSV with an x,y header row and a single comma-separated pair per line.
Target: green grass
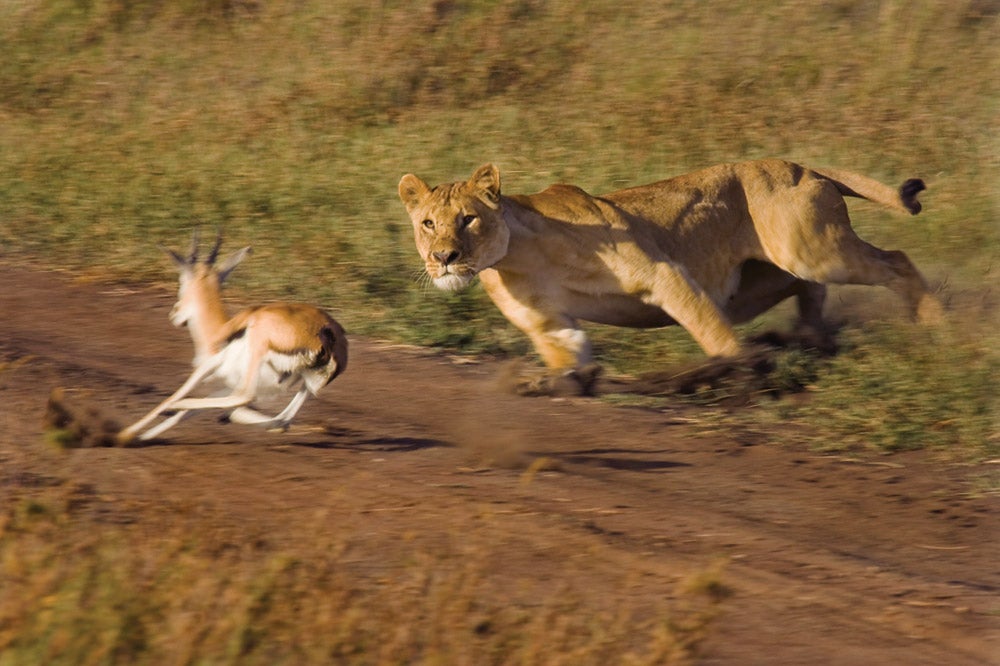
x,y
126,124
290,124
896,388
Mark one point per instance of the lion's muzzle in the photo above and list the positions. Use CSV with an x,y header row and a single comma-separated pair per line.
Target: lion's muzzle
x,y
452,281
447,272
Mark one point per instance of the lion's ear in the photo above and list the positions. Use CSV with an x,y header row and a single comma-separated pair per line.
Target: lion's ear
x,y
412,191
486,181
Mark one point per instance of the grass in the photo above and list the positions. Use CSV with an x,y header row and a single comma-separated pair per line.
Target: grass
x,y
127,124
894,388
174,587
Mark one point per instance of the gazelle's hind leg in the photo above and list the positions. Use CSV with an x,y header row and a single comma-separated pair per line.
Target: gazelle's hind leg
x,y
250,416
231,401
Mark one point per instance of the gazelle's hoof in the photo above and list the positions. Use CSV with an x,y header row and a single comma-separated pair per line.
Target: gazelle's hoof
x,y
124,439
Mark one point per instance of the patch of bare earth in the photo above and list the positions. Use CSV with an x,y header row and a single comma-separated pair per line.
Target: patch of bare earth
x,y
830,561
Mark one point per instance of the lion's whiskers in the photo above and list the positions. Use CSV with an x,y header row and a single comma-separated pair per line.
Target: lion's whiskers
x,y
422,278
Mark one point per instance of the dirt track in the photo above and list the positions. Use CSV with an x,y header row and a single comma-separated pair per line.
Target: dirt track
x,y
831,561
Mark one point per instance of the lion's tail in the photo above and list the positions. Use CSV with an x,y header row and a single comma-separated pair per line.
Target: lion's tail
x,y
852,184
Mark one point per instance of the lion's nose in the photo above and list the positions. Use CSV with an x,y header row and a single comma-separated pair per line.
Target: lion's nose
x,y
445,258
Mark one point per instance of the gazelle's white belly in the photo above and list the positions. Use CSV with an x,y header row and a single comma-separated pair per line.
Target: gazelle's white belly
x,y
277,373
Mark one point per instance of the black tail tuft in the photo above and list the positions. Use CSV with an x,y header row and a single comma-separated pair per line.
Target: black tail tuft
x,y
908,192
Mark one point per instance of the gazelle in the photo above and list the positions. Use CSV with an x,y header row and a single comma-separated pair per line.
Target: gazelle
x,y
262,349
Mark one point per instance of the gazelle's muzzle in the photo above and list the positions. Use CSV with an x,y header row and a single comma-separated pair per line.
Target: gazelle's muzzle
x,y
177,317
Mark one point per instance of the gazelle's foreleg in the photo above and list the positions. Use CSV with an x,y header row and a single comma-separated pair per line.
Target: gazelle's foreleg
x,y
165,424
196,377
243,394
231,401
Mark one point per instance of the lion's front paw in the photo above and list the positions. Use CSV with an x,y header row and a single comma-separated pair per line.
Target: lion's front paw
x,y
580,381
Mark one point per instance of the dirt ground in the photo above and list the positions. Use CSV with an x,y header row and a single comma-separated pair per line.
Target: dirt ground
x,y
830,560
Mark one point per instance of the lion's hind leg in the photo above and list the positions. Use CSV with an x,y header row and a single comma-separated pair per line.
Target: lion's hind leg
x,y
763,285
906,280
810,236
853,261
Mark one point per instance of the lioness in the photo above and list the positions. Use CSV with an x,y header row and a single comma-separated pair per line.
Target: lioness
x,y
704,250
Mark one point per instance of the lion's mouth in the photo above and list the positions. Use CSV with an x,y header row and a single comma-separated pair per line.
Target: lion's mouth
x,y
452,282
451,277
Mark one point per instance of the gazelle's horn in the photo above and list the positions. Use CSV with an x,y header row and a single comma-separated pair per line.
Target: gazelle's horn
x,y
178,260
193,256
214,254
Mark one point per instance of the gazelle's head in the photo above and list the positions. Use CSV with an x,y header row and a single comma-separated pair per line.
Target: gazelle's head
x,y
201,281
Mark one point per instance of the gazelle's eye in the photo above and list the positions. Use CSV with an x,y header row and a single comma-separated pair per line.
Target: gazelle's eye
x,y
467,220
428,224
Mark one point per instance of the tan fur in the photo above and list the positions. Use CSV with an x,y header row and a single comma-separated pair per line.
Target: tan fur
x,y
704,250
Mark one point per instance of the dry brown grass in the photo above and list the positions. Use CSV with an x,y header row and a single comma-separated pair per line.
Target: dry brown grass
x,y
168,585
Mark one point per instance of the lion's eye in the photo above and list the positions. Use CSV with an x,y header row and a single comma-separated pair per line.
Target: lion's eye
x,y
428,224
467,220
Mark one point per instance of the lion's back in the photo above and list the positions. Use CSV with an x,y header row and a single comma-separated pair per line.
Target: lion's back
x,y
566,202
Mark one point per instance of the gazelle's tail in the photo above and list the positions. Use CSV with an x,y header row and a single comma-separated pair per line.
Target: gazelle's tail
x,y
334,348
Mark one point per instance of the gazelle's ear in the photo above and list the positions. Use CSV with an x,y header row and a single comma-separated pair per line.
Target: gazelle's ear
x,y
412,191
231,262
486,181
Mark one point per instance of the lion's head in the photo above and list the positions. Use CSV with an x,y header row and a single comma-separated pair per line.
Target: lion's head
x,y
458,227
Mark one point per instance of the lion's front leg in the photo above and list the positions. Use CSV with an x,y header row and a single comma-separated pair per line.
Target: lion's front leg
x,y
558,339
566,352
562,345
690,306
